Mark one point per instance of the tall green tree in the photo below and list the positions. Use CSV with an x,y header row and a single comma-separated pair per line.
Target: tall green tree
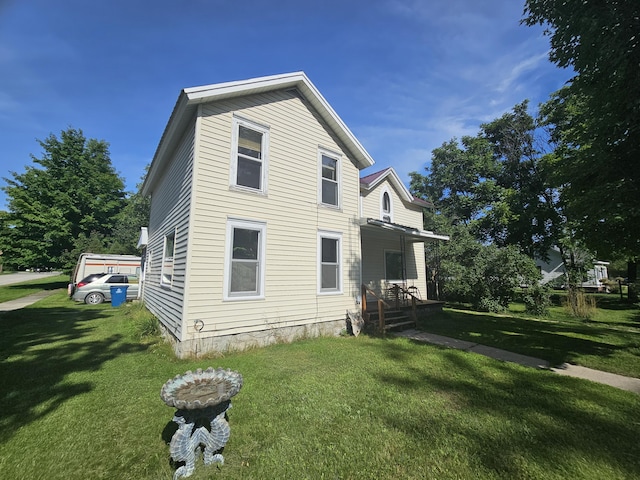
x,y
134,215
528,212
459,180
497,184
71,190
596,117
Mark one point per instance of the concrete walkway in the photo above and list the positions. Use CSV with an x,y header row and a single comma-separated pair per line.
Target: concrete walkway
x,y
19,303
618,381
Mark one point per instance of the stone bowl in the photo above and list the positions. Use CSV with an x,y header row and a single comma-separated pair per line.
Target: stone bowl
x,y
201,389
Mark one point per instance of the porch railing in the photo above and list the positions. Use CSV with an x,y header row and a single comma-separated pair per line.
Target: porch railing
x,y
379,302
398,293
404,296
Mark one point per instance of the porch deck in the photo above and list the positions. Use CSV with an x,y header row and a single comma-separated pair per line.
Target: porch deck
x,y
401,316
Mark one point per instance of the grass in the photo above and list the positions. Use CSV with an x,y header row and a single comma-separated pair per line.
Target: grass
x,y
609,341
19,290
80,399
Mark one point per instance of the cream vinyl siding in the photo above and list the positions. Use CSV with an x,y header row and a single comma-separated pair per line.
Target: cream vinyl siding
x,y
290,211
170,213
404,213
374,244
376,240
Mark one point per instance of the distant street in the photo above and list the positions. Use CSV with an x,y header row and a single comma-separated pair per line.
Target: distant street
x,y
11,278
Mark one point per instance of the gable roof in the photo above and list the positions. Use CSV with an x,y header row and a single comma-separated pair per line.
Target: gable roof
x,y
190,98
371,181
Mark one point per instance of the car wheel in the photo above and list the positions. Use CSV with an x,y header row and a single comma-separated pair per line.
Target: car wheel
x,y
94,298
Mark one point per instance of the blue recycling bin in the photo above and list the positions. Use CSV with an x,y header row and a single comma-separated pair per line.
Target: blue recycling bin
x,y
118,295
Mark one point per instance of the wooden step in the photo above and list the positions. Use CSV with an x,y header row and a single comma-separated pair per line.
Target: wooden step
x,y
389,326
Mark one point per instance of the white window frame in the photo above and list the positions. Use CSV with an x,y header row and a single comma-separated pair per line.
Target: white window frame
x,y
168,258
333,236
322,152
232,224
233,171
382,212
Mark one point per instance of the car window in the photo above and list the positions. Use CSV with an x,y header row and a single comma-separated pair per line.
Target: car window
x,y
117,279
92,278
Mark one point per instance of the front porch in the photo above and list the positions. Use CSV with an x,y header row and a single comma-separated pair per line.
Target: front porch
x,y
394,277
401,309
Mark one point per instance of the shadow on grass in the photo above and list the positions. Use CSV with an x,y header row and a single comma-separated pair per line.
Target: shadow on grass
x,y
521,417
40,348
557,342
40,285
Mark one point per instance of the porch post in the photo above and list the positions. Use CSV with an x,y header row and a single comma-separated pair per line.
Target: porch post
x,y
381,315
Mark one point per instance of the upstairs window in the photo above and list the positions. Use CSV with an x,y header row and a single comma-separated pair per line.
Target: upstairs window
x,y
329,179
386,207
168,252
249,164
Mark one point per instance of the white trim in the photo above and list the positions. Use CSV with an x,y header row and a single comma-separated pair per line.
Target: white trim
x,y
333,236
323,152
385,190
394,179
189,98
237,122
260,226
166,258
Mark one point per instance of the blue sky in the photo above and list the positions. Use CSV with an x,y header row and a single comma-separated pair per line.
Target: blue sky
x,y
404,75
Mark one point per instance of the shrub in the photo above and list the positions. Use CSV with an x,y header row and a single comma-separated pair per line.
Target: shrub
x,y
484,275
537,300
488,304
580,304
143,324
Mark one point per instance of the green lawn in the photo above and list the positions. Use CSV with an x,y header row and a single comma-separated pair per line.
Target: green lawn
x,y
610,341
19,290
80,399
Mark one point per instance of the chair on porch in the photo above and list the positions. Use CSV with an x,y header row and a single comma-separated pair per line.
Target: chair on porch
x,y
401,292
415,291
394,291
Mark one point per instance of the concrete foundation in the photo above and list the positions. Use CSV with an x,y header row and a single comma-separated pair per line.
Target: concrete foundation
x,y
205,343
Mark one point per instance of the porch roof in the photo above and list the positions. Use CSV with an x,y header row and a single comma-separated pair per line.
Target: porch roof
x,y
415,234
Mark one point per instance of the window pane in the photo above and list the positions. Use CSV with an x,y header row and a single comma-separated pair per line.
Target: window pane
x,y
249,173
329,277
169,246
329,168
117,279
244,276
393,264
329,250
245,244
249,142
329,192
386,204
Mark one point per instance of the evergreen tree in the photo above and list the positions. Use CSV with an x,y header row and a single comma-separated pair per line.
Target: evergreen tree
x,y
72,190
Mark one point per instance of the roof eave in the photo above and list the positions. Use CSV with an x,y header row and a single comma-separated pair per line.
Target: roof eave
x,y
189,98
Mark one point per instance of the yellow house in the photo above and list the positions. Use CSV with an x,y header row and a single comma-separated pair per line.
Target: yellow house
x,y
259,220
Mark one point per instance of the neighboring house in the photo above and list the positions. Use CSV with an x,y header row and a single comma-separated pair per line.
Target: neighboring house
x,y
553,268
258,231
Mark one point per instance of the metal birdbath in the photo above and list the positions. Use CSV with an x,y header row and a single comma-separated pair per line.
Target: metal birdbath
x,y
202,399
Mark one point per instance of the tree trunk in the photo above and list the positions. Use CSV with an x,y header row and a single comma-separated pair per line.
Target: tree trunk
x,y
632,274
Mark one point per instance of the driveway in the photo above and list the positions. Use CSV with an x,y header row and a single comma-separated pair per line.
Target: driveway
x,y
11,278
